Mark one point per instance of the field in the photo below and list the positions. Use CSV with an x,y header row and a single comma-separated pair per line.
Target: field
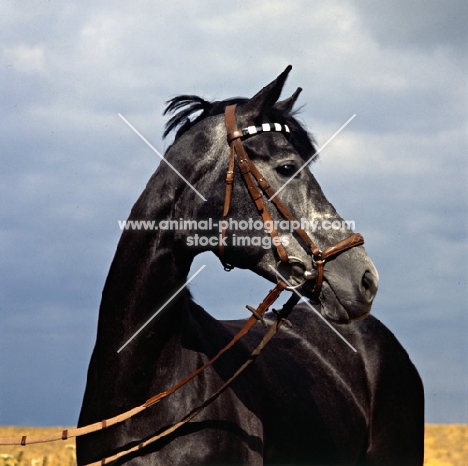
x,y
446,445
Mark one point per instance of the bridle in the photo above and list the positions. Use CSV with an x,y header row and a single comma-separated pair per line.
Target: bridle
x,y
257,187
254,180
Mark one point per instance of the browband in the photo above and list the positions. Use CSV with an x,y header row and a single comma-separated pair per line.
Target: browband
x,y
251,130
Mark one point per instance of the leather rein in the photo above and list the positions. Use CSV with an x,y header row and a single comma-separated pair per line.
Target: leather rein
x,y
254,180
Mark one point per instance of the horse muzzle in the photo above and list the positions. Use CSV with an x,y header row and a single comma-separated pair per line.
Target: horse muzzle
x,y
349,288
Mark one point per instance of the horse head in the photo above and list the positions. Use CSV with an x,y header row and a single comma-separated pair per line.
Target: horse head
x,y
256,234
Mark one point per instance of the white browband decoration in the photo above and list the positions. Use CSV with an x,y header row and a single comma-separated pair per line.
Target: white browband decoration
x,y
251,130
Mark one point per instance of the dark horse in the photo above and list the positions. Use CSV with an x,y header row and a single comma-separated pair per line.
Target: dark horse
x,y
308,398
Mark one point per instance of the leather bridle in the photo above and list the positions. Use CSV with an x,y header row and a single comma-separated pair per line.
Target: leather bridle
x,y
254,180
257,187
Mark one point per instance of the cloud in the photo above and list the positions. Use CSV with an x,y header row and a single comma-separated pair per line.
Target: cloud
x,y
25,59
420,24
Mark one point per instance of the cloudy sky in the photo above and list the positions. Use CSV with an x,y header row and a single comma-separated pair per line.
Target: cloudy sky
x,y
70,168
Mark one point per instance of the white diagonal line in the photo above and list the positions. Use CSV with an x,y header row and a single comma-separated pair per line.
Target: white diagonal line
x,y
157,153
162,307
315,310
312,158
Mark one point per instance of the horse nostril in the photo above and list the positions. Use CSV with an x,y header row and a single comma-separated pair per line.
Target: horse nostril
x,y
369,284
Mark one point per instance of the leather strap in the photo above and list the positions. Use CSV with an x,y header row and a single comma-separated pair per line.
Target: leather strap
x,y
257,315
250,174
272,331
227,203
271,297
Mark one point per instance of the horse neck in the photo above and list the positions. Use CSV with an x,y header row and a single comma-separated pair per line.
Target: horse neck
x,y
148,268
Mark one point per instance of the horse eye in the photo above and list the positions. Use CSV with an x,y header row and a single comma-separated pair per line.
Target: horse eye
x,y
288,169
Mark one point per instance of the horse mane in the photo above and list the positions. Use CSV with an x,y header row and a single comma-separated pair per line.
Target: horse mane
x,y
185,107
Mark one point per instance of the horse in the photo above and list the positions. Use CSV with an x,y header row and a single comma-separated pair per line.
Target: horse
x,y
307,398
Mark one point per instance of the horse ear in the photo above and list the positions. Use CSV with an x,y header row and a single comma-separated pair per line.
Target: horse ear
x,y
266,98
285,106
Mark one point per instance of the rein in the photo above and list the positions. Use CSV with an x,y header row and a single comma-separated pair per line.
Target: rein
x,y
257,314
253,180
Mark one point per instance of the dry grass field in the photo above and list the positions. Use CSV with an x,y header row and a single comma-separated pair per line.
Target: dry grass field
x,y
60,453
446,445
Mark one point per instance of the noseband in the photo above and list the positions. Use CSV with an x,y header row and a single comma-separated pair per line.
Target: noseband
x,y
258,186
